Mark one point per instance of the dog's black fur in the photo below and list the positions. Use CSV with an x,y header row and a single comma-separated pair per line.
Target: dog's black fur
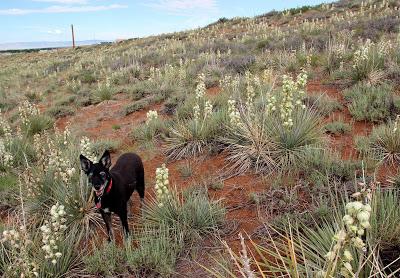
x,y
126,176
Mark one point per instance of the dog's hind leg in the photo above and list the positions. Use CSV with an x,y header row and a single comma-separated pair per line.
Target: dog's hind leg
x,y
107,219
123,215
140,190
130,207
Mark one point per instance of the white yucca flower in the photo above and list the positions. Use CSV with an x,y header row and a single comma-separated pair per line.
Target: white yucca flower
x,y
151,116
53,232
6,157
5,128
234,115
293,94
161,186
361,55
355,222
201,87
20,262
26,110
86,148
208,108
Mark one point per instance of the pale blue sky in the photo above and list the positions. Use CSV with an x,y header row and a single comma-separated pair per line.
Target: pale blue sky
x,y
49,20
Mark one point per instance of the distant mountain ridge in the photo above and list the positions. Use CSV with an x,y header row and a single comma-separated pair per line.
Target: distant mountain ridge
x,y
45,44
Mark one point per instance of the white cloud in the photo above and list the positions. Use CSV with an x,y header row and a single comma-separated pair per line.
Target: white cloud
x,y
61,9
55,32
184,7
63,1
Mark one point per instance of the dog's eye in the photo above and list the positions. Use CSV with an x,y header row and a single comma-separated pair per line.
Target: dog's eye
x,y
103,174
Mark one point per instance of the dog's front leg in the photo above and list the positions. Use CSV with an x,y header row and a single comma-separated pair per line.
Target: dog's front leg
x,y
107,219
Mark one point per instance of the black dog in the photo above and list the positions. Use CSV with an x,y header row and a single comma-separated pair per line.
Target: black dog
x,y
114,187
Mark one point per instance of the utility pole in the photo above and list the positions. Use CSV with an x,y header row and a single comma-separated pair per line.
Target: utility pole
x,y
73,36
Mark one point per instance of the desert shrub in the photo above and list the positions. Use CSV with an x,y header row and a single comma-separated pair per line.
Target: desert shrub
x,y
374,28
323,103
157,252
265,145
187,138
394,180
238,64
65,100
58,66
138,91
23,255
368,60
33,96
362,145
149,132
173,103
193,214
136,106
22,151
321,167
108,252
384,143
54,177
299,250
338,127
100,146
8,189
60,111
370,103
87,76
37,124
103,92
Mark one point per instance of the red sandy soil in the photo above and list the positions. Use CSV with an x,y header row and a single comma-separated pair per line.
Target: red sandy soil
x,y
106,120
99,122
213,91
344,144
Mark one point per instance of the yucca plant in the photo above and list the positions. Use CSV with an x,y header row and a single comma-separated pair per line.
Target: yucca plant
x,y
384,143
108,252
261,142
249,145
299,250
367,59
57,179
37,124
155,250
192,213
188,138
149,132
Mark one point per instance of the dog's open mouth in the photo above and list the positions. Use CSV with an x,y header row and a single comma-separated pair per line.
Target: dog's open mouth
x,y
100,191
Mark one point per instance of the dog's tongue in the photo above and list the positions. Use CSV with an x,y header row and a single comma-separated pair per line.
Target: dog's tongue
x,y
98,205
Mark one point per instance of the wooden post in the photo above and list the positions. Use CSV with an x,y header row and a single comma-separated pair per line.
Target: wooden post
x,y
73,36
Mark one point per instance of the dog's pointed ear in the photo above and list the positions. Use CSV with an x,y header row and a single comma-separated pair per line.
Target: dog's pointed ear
x,y
105,160
86,164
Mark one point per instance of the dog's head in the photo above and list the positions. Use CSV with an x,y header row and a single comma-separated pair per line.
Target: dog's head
x,y
98,173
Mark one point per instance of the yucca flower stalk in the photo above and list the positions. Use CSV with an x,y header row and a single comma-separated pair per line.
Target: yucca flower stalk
x,y
203,108
151,116
5,129
355,223
161,186
292,96
52,232
234,115
6,157
86,148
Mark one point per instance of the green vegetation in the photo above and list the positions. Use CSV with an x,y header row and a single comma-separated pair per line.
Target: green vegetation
x,y
337,128
254,98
